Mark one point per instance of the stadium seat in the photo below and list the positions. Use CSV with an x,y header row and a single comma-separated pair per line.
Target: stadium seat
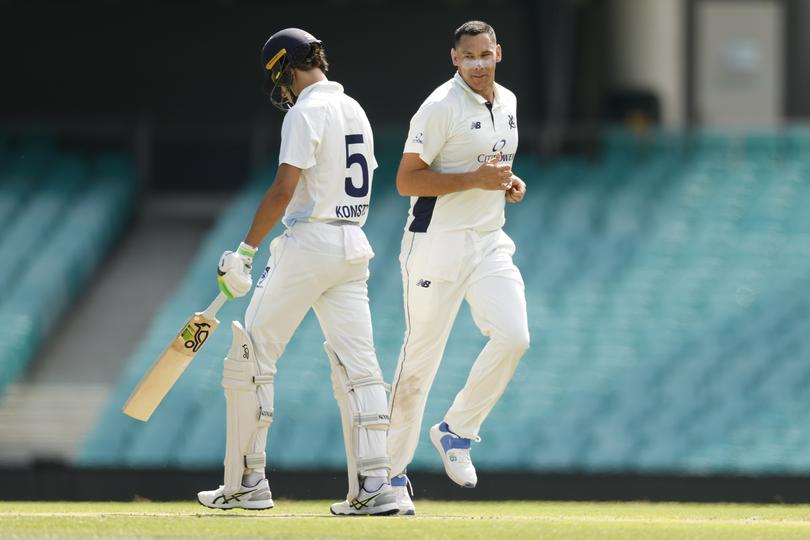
x,y
668,285
64,220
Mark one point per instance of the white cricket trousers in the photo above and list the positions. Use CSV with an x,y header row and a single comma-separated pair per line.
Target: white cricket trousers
x,y
320,266
439,270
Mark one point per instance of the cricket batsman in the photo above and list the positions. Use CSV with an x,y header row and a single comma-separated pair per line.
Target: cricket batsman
x,y
457,169
322,188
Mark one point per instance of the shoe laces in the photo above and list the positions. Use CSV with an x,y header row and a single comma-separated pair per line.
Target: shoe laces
x,y
408,486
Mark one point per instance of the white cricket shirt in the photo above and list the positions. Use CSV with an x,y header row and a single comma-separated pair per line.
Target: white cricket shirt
x,y
326,133
455,131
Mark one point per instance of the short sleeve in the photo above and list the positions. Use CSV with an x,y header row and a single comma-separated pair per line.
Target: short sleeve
x,y
373,162
429,131
299,140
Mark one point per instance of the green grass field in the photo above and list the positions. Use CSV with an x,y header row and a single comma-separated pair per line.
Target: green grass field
x,y
468,520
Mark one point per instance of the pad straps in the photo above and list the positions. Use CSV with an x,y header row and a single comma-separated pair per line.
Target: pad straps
x,y
367,381
372,420
374,463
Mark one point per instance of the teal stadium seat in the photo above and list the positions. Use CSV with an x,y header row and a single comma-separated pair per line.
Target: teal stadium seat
x,y
64,218
668,284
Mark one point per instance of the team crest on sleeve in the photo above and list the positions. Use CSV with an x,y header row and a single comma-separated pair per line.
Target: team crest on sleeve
x,y
417,138
512,123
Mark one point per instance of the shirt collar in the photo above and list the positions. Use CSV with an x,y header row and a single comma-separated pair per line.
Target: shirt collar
x,y
320,86
459,80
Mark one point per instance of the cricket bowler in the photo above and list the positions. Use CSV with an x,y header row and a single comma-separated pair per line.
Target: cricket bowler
x,y
457,168
322,188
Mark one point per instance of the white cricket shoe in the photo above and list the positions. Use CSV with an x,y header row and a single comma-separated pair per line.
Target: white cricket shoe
x,y
257,497
455,454
401,486
369,503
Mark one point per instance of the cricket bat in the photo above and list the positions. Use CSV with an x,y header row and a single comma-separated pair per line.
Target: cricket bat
x,y
160,378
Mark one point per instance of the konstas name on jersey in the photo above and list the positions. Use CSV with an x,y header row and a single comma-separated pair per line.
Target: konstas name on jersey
x,y
351,211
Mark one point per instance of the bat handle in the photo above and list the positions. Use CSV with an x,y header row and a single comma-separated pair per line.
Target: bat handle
x,y
211,311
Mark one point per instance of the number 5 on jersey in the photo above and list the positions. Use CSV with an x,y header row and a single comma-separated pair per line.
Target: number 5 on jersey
x,y
356,159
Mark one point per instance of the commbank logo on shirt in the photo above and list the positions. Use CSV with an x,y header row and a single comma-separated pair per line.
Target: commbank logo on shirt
x,y
496,148
504,157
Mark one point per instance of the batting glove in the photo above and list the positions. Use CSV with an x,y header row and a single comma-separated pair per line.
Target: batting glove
x,y
233,274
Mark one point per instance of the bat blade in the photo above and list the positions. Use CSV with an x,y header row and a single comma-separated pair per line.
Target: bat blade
x,y
160,378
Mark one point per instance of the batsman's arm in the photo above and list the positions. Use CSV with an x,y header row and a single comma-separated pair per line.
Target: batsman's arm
x,y
275,201
416,179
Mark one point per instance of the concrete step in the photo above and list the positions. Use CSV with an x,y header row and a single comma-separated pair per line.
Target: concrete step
x,y
47,421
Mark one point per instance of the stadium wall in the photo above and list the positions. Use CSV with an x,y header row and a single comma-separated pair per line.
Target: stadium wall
x,y
54,482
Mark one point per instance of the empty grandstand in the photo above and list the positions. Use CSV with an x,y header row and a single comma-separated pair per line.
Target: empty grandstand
x,y
666,282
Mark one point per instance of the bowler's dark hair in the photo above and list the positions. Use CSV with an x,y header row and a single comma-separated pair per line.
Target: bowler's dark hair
x,y
473,28
315,58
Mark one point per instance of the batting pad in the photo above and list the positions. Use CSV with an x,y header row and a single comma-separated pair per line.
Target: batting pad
x,y
249,408
364,414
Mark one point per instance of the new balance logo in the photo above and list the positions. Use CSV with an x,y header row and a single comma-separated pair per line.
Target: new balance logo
x,y
475,125
423,283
